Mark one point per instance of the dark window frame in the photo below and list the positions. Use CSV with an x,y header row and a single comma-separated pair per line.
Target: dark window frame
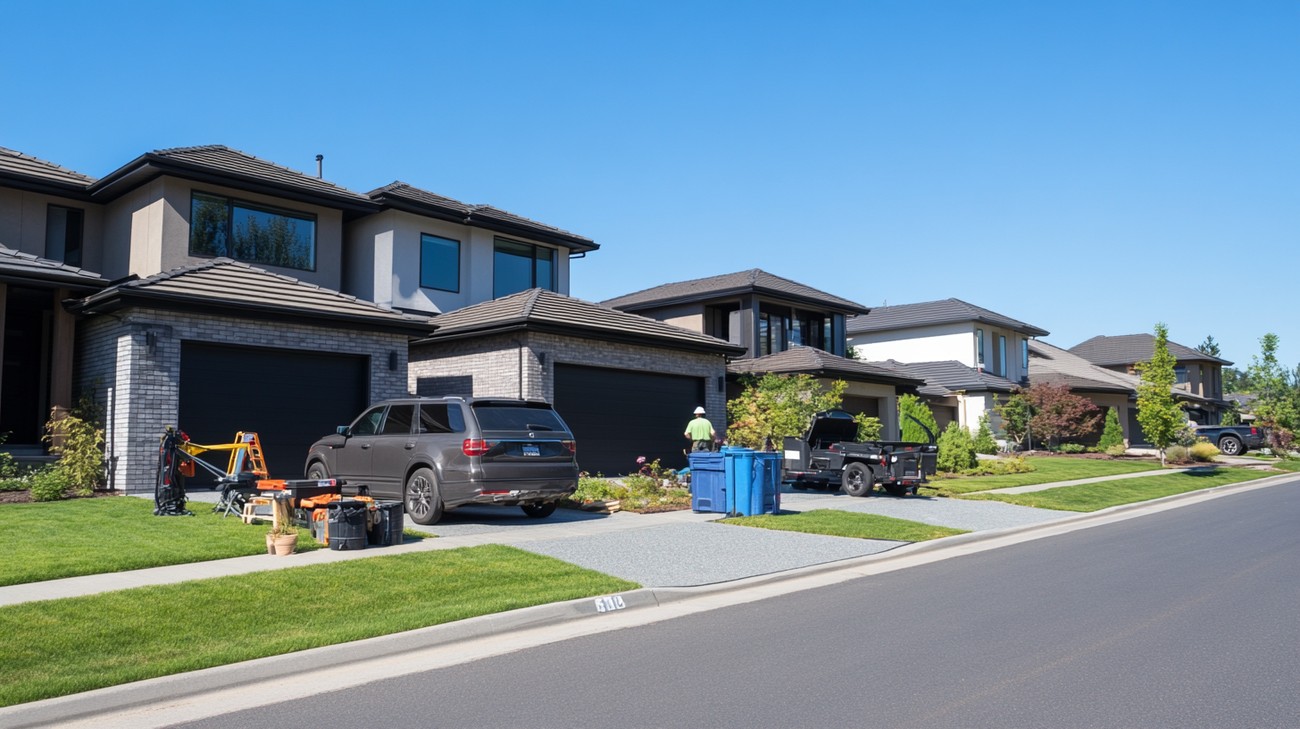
x,y
444,239
231,203
554,283
71,255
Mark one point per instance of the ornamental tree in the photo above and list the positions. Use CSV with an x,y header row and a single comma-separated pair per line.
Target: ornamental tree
x,y
1276,403
1111,434
911,432
1059,414
1014,414
1160,417
774,406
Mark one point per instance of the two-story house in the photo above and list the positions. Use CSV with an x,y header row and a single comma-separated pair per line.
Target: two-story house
x,y
783,327
1199,375
972,356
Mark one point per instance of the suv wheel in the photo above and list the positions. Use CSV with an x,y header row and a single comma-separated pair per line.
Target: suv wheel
x,y
539,511
316,471
422,499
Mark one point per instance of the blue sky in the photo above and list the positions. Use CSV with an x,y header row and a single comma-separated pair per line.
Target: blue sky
x,y
1089,168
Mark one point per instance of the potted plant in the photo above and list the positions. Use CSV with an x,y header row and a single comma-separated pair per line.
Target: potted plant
x,y
282,539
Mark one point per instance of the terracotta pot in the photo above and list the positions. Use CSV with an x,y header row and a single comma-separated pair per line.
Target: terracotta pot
x,y
282,544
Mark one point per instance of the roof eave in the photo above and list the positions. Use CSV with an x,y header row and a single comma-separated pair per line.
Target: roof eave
x,y
741,291
606,335
78,192
452,215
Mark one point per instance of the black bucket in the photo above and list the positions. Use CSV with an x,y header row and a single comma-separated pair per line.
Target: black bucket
x,y
347,524
386,527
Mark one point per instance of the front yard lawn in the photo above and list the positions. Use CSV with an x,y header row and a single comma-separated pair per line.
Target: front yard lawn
x,y
56,539
60,647
837,523
1094,496
1046,470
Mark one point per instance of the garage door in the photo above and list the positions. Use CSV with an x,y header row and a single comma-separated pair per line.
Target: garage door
x,y
618,415
289,398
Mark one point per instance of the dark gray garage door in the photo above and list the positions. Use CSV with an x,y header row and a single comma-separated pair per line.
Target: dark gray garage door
x,y
289,398
618,415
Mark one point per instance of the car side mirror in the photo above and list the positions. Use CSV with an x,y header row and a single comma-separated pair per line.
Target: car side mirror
x,y
342,430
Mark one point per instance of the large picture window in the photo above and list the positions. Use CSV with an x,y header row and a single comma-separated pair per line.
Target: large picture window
x,y
439,263
520,266
221,226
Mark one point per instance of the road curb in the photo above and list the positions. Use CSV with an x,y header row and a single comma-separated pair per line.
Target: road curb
x,y
178,686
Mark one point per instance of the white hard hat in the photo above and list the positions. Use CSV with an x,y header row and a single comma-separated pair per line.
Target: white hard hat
x,y
699,411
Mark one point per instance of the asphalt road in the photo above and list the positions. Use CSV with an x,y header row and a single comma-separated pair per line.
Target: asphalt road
x,y
1186,618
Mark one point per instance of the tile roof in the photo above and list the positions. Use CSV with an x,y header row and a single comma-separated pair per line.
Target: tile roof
x,y
19,266
225,285
16,165
729,284
424,202
813,361
543,310
1127,349
1056,366
927,313
950,376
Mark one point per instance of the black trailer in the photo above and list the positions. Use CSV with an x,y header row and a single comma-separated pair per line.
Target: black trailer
x,y
829,456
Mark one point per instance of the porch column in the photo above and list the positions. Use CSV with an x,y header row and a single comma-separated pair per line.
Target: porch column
x,y
61,355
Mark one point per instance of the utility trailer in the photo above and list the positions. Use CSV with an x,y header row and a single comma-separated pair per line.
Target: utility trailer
x,y
828,456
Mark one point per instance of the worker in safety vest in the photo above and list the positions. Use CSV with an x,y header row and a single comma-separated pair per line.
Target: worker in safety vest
x,y
700,432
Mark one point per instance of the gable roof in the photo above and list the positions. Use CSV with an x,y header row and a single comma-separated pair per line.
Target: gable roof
x,y
755,281
819,363
1127,349
949,377
1055,366
546,311
223,286
30,173
20,267
402,196
219,165
928,313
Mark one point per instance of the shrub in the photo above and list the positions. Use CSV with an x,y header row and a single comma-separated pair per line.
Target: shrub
x,y
911,432
1203,452
956,449
868,427
1280,440
1000,467
1111,434
1116,450
984,441
48,484
80,447
1072,448
1177,454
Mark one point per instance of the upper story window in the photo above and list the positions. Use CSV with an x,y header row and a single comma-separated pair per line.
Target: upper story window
x,y
811,329
1024,357
1002,357
220,226
439,263
979,348
63,234
1180,374
520,266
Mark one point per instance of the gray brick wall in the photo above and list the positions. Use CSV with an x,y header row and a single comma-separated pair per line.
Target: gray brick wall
x,y
129,363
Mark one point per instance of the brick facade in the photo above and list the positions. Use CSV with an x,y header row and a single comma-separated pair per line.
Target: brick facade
x,y
129,363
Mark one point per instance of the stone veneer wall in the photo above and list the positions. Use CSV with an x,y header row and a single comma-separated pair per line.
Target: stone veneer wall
x,y
138,384
522,364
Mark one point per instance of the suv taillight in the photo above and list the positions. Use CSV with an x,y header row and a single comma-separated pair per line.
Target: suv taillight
x,y
570,446
475,447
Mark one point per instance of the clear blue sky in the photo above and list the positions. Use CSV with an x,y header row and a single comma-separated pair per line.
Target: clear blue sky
x,y
1089,168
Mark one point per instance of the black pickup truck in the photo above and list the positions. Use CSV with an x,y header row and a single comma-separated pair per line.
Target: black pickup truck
x,y
829,456
1234,440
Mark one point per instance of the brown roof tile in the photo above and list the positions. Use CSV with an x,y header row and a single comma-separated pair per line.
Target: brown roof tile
x,y
728,284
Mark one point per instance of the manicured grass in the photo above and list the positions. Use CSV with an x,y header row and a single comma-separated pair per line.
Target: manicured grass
x,y
56,539
1046,470
1094,496
847,524
1287,464
60,647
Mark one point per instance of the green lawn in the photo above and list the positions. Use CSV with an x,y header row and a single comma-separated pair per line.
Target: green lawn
x,y
1094,496
60,647
846,524
1046,470
1287,464
55,539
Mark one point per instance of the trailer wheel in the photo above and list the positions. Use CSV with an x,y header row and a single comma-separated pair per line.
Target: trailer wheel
x,y
422,498
856,480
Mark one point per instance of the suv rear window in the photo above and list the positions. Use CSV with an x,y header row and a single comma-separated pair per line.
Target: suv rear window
x,y
517,417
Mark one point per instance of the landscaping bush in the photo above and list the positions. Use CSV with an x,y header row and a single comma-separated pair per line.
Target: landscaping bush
x,y
1111,435
984,440
868,427
1072,448
1203,452
80,447
911,432
1177,454
48,484
1116,450
1000,467
1280,440
956,449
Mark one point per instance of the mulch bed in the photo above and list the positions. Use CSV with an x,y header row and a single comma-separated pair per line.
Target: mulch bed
x,y
25,496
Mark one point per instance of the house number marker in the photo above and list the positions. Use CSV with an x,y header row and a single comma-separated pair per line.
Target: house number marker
x,y
610,604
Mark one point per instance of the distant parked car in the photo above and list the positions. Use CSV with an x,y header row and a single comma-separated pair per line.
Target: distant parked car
x,y
436,454
1234,440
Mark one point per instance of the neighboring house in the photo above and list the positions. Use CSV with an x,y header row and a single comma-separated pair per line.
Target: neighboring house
x,y
974,355
1103,387
626,384
783,326
1199,375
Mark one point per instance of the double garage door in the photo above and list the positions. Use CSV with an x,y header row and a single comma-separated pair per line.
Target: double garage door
x,y
618,415
289,398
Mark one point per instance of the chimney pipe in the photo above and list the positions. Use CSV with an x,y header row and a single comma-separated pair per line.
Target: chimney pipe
x,y
320,168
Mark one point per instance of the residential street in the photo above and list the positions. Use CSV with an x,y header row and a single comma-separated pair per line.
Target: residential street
x,y
1186,618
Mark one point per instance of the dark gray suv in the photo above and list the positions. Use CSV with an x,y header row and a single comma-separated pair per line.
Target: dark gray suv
x,y
439,453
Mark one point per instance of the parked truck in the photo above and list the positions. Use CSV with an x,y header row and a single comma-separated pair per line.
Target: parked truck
x,y
1234,440
830,456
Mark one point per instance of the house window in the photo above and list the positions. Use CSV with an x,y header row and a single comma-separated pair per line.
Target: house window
x,y
220,226
979,348
1180,373
520,266
1024,356
810,329
1002,356
773,330
63,232
439,263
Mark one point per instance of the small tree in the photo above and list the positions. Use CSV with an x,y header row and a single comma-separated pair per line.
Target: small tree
x,y
911,432
956,449
1111,435
1158,414
868,427
1276,398
1231,416
1060,414
774,406
984,440
1015,414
